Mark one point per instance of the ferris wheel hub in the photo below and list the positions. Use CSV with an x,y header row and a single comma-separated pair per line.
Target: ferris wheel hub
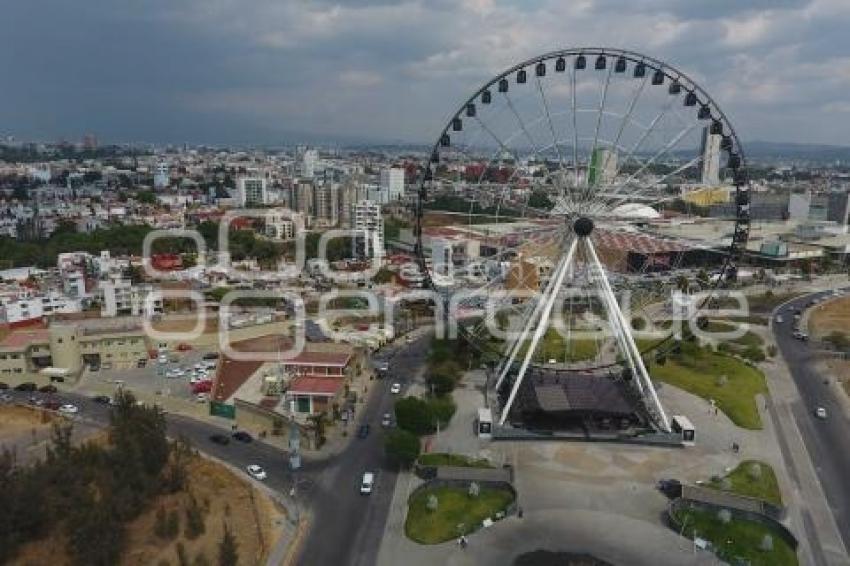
x,y
583,226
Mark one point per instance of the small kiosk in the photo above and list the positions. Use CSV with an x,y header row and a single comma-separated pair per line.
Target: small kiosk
x,y
484,423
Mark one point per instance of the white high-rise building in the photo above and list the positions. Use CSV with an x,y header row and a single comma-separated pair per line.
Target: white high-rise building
x,y
392,184
368,222
710,158
308,163
252,191
161,176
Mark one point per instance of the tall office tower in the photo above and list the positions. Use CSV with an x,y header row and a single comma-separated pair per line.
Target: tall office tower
x,y
326,204
349,195
838,206
304,201
252,191
368,222
392,184
308,163
161,176
710,158
603,167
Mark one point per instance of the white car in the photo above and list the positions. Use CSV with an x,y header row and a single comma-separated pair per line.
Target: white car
x,y
396,388
820,413
69,409
256,472
387,420
368,483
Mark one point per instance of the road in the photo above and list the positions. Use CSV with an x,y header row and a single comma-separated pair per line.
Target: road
x,y
827,440
346,527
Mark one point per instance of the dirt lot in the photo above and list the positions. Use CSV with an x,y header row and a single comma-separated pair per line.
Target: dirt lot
x,y
251,515
829,317
16,421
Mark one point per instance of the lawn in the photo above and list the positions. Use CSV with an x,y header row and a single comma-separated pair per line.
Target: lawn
x,y
744,482
457,513
700,370
749,339
737,539
556,347
443,459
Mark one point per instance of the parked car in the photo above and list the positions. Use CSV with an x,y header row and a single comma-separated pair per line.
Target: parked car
x,y
3,385
35,401
47,389
210,356
102,399
363,431
69,409
820,413
242,436
387,420
106,366
220,439
396,388
202,398
57,379
183,347
368,483
202,387
27,386
141,363
256,472
94,366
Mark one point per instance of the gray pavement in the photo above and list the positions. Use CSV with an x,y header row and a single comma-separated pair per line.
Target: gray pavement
x,y
818,450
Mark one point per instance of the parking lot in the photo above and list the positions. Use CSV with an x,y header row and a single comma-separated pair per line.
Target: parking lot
x,y
168,376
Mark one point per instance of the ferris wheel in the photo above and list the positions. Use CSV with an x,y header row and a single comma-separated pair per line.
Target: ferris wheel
x,y
567,186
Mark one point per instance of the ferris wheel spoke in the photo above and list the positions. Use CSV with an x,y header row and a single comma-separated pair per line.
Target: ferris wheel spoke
x,y
618,199
602,99
618,190
563,166
573,96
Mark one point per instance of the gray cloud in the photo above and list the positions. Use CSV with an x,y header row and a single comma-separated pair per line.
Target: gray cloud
x,y
268,71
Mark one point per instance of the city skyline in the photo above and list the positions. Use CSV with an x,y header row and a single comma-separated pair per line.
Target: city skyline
x,y
384,72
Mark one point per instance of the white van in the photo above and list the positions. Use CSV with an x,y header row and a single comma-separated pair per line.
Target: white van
x,y
367,483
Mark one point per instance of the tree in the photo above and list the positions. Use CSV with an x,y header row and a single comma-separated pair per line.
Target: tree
x,y
412,414
195,526
402,447
228,549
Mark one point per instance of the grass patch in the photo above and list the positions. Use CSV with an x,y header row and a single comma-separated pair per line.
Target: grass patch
x,y
737,539
700,371
457,513
444,459
743,480
554,346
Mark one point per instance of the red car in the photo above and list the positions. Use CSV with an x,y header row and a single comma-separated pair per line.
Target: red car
x,y
183,347
202,387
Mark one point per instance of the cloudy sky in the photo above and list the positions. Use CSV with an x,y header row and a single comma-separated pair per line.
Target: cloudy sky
x,y
271,71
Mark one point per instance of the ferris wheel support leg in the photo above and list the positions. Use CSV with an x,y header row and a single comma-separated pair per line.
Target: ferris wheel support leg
x,y
548,301
535,315
650,396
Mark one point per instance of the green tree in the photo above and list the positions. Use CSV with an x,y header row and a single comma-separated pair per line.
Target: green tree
x,y
402,447
413,415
